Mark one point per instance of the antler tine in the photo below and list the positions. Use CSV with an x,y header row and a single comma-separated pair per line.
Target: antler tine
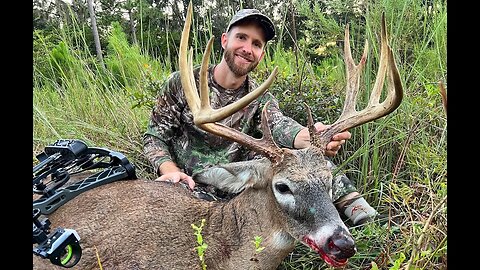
x,y
205,117
186,67
351,118
353,75
314,138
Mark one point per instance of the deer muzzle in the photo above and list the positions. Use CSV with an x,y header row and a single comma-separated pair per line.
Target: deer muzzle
x,y
336,250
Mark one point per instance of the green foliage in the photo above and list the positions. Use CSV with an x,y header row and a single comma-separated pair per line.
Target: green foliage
x,y
257,241
315,85
61,60
398,262
43,44
74,98
202,246
320,33
139,74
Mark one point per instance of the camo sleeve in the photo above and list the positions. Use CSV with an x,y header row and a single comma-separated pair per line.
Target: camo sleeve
x,y
284,129
164,119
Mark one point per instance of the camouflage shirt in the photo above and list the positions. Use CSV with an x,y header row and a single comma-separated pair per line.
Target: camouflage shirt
x,y
172,135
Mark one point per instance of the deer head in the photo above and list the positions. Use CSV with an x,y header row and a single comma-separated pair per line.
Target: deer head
x,y
299,180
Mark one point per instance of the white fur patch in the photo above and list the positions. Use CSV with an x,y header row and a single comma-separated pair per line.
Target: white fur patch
x,y
286,200
320,237
281,240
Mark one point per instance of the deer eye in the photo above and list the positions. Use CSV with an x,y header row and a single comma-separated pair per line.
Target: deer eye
x,y
282,188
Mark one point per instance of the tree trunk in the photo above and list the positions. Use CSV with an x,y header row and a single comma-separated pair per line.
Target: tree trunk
x,y
132,26
95,33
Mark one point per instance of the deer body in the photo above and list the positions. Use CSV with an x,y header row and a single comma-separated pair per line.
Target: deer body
x,y
141,224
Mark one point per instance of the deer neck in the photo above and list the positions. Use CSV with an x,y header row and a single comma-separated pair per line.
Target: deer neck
x,y
252,213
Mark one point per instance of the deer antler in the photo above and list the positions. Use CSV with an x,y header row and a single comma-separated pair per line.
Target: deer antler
x,y
351,118
205,117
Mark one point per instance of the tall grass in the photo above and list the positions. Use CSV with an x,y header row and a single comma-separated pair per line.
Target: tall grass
x,y
398,162
107,108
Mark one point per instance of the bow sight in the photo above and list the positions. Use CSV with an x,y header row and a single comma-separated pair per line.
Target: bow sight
x,y
58,162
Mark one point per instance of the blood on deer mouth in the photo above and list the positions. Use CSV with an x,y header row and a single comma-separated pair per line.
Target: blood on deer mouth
x,y
328,259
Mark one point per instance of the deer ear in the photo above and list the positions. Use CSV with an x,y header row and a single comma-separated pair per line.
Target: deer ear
x,y
236,176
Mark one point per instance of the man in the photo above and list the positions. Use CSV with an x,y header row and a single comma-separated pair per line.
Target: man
x,y
177,148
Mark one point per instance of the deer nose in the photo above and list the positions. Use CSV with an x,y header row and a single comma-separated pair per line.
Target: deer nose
x,y
341,245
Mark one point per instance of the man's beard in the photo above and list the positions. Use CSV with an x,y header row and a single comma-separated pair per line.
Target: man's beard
x,y
237,70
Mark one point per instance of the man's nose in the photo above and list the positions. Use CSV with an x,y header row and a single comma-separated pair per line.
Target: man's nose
x,y
247,48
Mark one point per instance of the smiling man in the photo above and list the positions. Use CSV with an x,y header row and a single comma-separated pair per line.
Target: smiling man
x,y
177,149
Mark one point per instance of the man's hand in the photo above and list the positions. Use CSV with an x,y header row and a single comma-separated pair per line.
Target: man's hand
x,y
175,177
171,173
337,140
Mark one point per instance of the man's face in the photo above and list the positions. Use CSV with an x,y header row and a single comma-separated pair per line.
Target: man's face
x,y
243,47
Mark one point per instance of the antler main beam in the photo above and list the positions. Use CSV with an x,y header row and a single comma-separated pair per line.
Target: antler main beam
x,y
205,117
350,117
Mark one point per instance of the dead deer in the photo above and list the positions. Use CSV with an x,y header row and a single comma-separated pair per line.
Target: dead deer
x,y
286,197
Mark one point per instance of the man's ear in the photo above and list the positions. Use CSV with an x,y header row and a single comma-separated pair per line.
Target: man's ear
x,y
224,40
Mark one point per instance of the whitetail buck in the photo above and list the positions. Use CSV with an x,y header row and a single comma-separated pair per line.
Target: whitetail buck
x,y
286,197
